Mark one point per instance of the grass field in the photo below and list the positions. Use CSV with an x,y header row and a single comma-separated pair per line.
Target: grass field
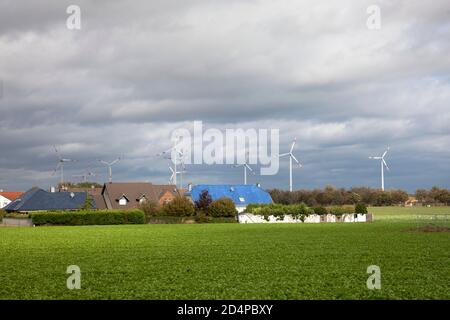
x,y
229,261
408,213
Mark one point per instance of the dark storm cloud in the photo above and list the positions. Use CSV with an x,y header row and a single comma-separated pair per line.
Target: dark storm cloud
x,y
138,70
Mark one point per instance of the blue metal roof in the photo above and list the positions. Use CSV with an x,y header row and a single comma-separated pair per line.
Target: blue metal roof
x,y
241,194
37,199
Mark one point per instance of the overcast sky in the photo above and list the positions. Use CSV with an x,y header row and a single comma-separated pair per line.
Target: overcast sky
x,y
137,70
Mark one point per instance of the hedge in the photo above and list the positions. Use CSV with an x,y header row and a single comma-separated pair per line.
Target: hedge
x,y
301,211
340,210
297,211
87,217
2,214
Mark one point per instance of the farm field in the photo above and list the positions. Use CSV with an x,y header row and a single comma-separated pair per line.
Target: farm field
x,y
409,213
228,261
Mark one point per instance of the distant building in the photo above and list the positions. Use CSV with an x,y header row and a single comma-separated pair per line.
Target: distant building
x,y
129,195
6,197
242,195
411,202
37,199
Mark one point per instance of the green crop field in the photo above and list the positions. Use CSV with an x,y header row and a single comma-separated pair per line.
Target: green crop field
x,y
229,261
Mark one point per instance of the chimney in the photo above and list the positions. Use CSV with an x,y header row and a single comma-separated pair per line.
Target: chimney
x,y
258,185
190,187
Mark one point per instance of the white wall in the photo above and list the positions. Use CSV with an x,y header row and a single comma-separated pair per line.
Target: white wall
x,y
314,218
4,202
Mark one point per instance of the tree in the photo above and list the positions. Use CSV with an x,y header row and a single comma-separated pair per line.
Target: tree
x,y
150,209
179,207
223,207
204,200
88,202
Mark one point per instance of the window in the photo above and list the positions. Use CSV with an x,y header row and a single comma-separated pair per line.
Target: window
x,y
123,201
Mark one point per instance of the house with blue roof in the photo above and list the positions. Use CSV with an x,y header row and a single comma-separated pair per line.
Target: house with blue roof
x,y
37,199
241,194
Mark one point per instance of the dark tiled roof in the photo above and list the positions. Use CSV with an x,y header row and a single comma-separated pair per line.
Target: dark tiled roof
x,y
37,199
241,194
133,191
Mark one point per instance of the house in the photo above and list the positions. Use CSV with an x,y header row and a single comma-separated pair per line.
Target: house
x,y
94,193
37,199
129,195
411,202
7,197
241,194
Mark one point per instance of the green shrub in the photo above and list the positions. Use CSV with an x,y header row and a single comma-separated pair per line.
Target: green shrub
x,y
202,217
340,210
16,215
321,211
252,206
2,214
79,218
361,208
150,209
223,207
179,207
279,211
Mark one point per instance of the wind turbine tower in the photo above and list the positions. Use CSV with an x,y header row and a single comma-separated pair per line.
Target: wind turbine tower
x,y
246,167
382,164
291,157
60,165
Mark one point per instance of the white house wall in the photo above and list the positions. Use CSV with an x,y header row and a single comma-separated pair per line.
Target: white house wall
x,y
314,218
4,202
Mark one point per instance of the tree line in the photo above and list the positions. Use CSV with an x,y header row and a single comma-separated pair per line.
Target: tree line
x,y
374,197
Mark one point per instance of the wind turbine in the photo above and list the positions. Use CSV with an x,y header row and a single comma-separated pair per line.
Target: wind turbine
x,y
291,157
109,165
60,164
179,157
172,178
383,164
245,166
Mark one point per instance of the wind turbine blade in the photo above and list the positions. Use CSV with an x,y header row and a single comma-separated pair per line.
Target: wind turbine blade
x,y
56,169
295,159
293,144
385,164
57,153
114,162
283,154
248,167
